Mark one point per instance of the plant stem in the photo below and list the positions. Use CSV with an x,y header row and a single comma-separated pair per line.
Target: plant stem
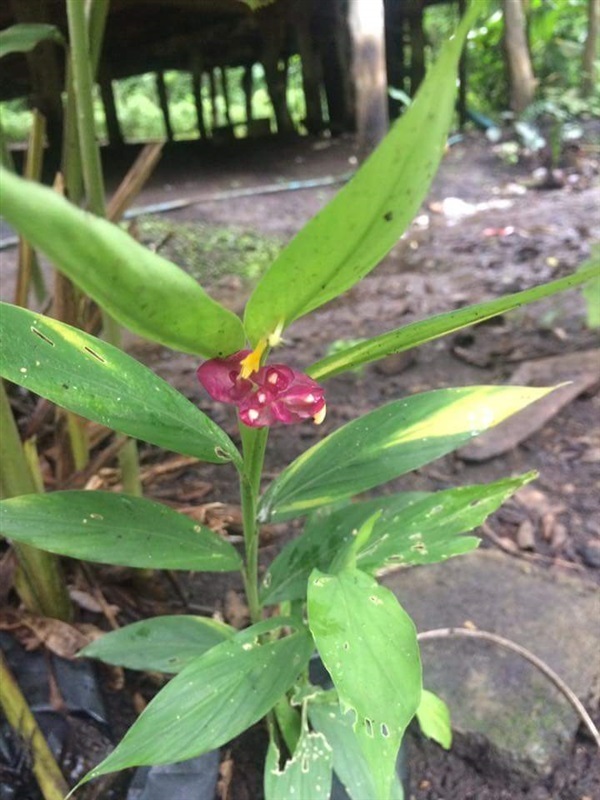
x,y
83,89
48,775
39,581
33,169
254,441
85,35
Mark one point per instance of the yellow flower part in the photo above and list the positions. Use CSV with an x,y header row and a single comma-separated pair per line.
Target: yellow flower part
x,y
251,363
320,416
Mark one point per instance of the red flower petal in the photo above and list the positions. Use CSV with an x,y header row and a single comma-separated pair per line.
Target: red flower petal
x,y
220,378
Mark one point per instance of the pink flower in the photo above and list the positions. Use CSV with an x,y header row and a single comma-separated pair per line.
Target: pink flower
x,y
273,393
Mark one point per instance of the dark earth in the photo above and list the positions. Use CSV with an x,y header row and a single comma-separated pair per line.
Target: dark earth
x,y
454,255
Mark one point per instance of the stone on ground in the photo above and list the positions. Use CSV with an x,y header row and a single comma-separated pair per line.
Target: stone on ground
x,y
495,696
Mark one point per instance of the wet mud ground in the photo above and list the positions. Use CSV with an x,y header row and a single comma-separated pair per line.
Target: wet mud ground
x,y
498,238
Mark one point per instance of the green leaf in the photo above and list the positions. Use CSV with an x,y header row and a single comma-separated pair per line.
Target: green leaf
x,y
434,327
591,290
306,775
394,439
160,644
100,382
325,531
216,697
414,528
434,719
430,529
24,37
345,240
140,289
349,762
115,529
369,646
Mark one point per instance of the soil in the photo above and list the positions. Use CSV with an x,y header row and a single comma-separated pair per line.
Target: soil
x,y
508,239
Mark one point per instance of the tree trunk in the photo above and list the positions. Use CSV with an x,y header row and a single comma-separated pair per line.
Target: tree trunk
x,y
370,77
590,51
521,79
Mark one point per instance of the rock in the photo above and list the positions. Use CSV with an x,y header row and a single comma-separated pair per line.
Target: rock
x,y
590,553
494,693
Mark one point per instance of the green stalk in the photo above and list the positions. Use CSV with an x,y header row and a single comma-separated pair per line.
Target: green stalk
x,y
39,582
85,53
83,89
254,441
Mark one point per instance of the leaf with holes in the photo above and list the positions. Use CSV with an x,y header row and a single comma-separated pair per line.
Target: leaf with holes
x,y
394,439
307,774
115,529
160,644
216,697
414,528
369,646
346,239
100,382
140,289
349,763
434,719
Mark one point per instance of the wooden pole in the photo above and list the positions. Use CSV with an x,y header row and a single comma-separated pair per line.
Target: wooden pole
x,y
225,87
367,30
417,46
197,91
163,99
113,128
248,87
213,98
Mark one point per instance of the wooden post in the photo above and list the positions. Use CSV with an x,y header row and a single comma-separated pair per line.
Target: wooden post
x,y
46,77
164,103
311,66
370,77
417,46
213,98
394,51
197,91
225,88
115,136
248,88
333,33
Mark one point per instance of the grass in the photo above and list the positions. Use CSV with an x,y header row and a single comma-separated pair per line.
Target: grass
x,y
210,252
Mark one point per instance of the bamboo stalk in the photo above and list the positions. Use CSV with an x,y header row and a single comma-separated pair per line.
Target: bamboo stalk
x,y
39,581
47,772
134,180
27,261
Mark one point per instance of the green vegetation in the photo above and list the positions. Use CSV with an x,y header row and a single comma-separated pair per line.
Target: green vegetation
x,y
557,32
209,252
